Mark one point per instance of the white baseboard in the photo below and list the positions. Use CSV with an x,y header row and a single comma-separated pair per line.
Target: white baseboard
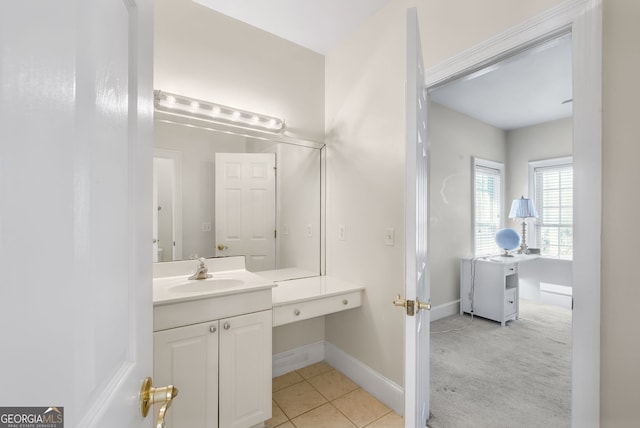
x,y
298,358
388,392
444,310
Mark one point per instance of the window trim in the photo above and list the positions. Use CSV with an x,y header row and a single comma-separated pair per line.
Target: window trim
x,y
532,238
475,162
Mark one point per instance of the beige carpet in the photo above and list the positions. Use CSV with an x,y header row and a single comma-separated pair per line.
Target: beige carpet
x,y
488,376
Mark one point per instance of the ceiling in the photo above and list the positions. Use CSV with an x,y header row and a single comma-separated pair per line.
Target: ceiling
x,y
318,25
521,91
527,89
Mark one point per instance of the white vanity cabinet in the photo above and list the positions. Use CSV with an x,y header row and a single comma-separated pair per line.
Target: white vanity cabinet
x,y
212,341
221,368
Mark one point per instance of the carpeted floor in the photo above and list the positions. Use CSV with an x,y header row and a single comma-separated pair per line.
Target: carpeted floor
x,y
488,376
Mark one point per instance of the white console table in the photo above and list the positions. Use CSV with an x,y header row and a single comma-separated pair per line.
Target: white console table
x,y
489,286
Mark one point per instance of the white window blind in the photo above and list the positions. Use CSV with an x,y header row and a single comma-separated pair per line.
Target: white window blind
x,y
487,214
554,202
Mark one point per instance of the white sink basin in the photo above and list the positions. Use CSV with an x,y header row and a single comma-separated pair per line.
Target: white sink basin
x,y
209,284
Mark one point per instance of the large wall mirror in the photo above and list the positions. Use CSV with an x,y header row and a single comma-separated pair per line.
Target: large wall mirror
x,y
221,190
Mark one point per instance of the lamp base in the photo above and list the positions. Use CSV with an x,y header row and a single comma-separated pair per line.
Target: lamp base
x,y
523,243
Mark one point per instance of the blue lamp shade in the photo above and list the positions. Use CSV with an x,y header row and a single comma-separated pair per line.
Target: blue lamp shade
x,y
523,208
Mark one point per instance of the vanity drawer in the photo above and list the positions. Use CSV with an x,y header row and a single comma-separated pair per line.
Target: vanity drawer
x,y
292,312
510,302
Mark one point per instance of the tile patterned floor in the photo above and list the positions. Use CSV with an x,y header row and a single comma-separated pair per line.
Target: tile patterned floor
x,y
318,396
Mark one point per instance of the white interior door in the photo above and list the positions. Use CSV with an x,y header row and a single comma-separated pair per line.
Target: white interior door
x,y
245,208
75,233
416,381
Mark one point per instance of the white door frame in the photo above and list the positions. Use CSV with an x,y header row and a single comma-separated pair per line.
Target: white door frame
x,y
583,19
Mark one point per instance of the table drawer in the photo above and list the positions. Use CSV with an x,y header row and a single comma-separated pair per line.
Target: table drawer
x,y
510,269
293,312
510,302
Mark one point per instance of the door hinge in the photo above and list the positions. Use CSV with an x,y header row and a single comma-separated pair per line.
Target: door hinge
x,y
275,234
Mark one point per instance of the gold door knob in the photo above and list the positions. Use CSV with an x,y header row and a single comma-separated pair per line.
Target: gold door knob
x,y
222,247
150,395
399,302
423,305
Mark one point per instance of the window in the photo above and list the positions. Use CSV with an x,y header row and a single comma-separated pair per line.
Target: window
x,y
552,182
488,182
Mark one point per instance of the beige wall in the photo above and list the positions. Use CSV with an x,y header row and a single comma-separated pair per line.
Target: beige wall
x,y
455,140
365,181
206,55
620,205
539,142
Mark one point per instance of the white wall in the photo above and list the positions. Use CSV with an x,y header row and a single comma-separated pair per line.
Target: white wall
x,y
455,140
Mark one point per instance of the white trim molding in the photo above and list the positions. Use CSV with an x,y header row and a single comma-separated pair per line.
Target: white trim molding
x,y
444,310
385,390
583,20
298,358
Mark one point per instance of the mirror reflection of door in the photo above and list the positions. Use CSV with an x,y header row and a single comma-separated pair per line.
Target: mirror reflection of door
x,y
167,240
245,206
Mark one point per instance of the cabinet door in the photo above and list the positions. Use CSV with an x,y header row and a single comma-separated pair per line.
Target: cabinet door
x,y
187,357
245,370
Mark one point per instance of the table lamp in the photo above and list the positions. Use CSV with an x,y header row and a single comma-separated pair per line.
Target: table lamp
x,y
523,208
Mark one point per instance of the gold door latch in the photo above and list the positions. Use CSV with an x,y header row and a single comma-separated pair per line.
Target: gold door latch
x,y
150,396
411,305
222,247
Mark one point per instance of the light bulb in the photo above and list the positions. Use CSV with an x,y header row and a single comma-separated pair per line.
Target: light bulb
x,y
195,104
171,99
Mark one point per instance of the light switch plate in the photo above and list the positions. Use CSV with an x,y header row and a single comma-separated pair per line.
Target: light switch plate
x,y
390,236
341,232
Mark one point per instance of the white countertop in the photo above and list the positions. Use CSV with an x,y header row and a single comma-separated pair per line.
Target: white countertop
x,y
286,274
516,258
174,289
306,289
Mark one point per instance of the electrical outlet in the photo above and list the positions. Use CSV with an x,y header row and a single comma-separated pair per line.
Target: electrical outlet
x,y
341,233
309,231
390,236
206,226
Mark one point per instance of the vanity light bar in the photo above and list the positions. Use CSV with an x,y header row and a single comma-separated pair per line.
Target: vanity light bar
x,y
205,110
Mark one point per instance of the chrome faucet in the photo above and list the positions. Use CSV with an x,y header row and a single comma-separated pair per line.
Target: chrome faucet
x,y
202,272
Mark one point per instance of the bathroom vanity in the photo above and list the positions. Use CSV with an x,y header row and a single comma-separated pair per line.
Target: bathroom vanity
x,y
212,340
